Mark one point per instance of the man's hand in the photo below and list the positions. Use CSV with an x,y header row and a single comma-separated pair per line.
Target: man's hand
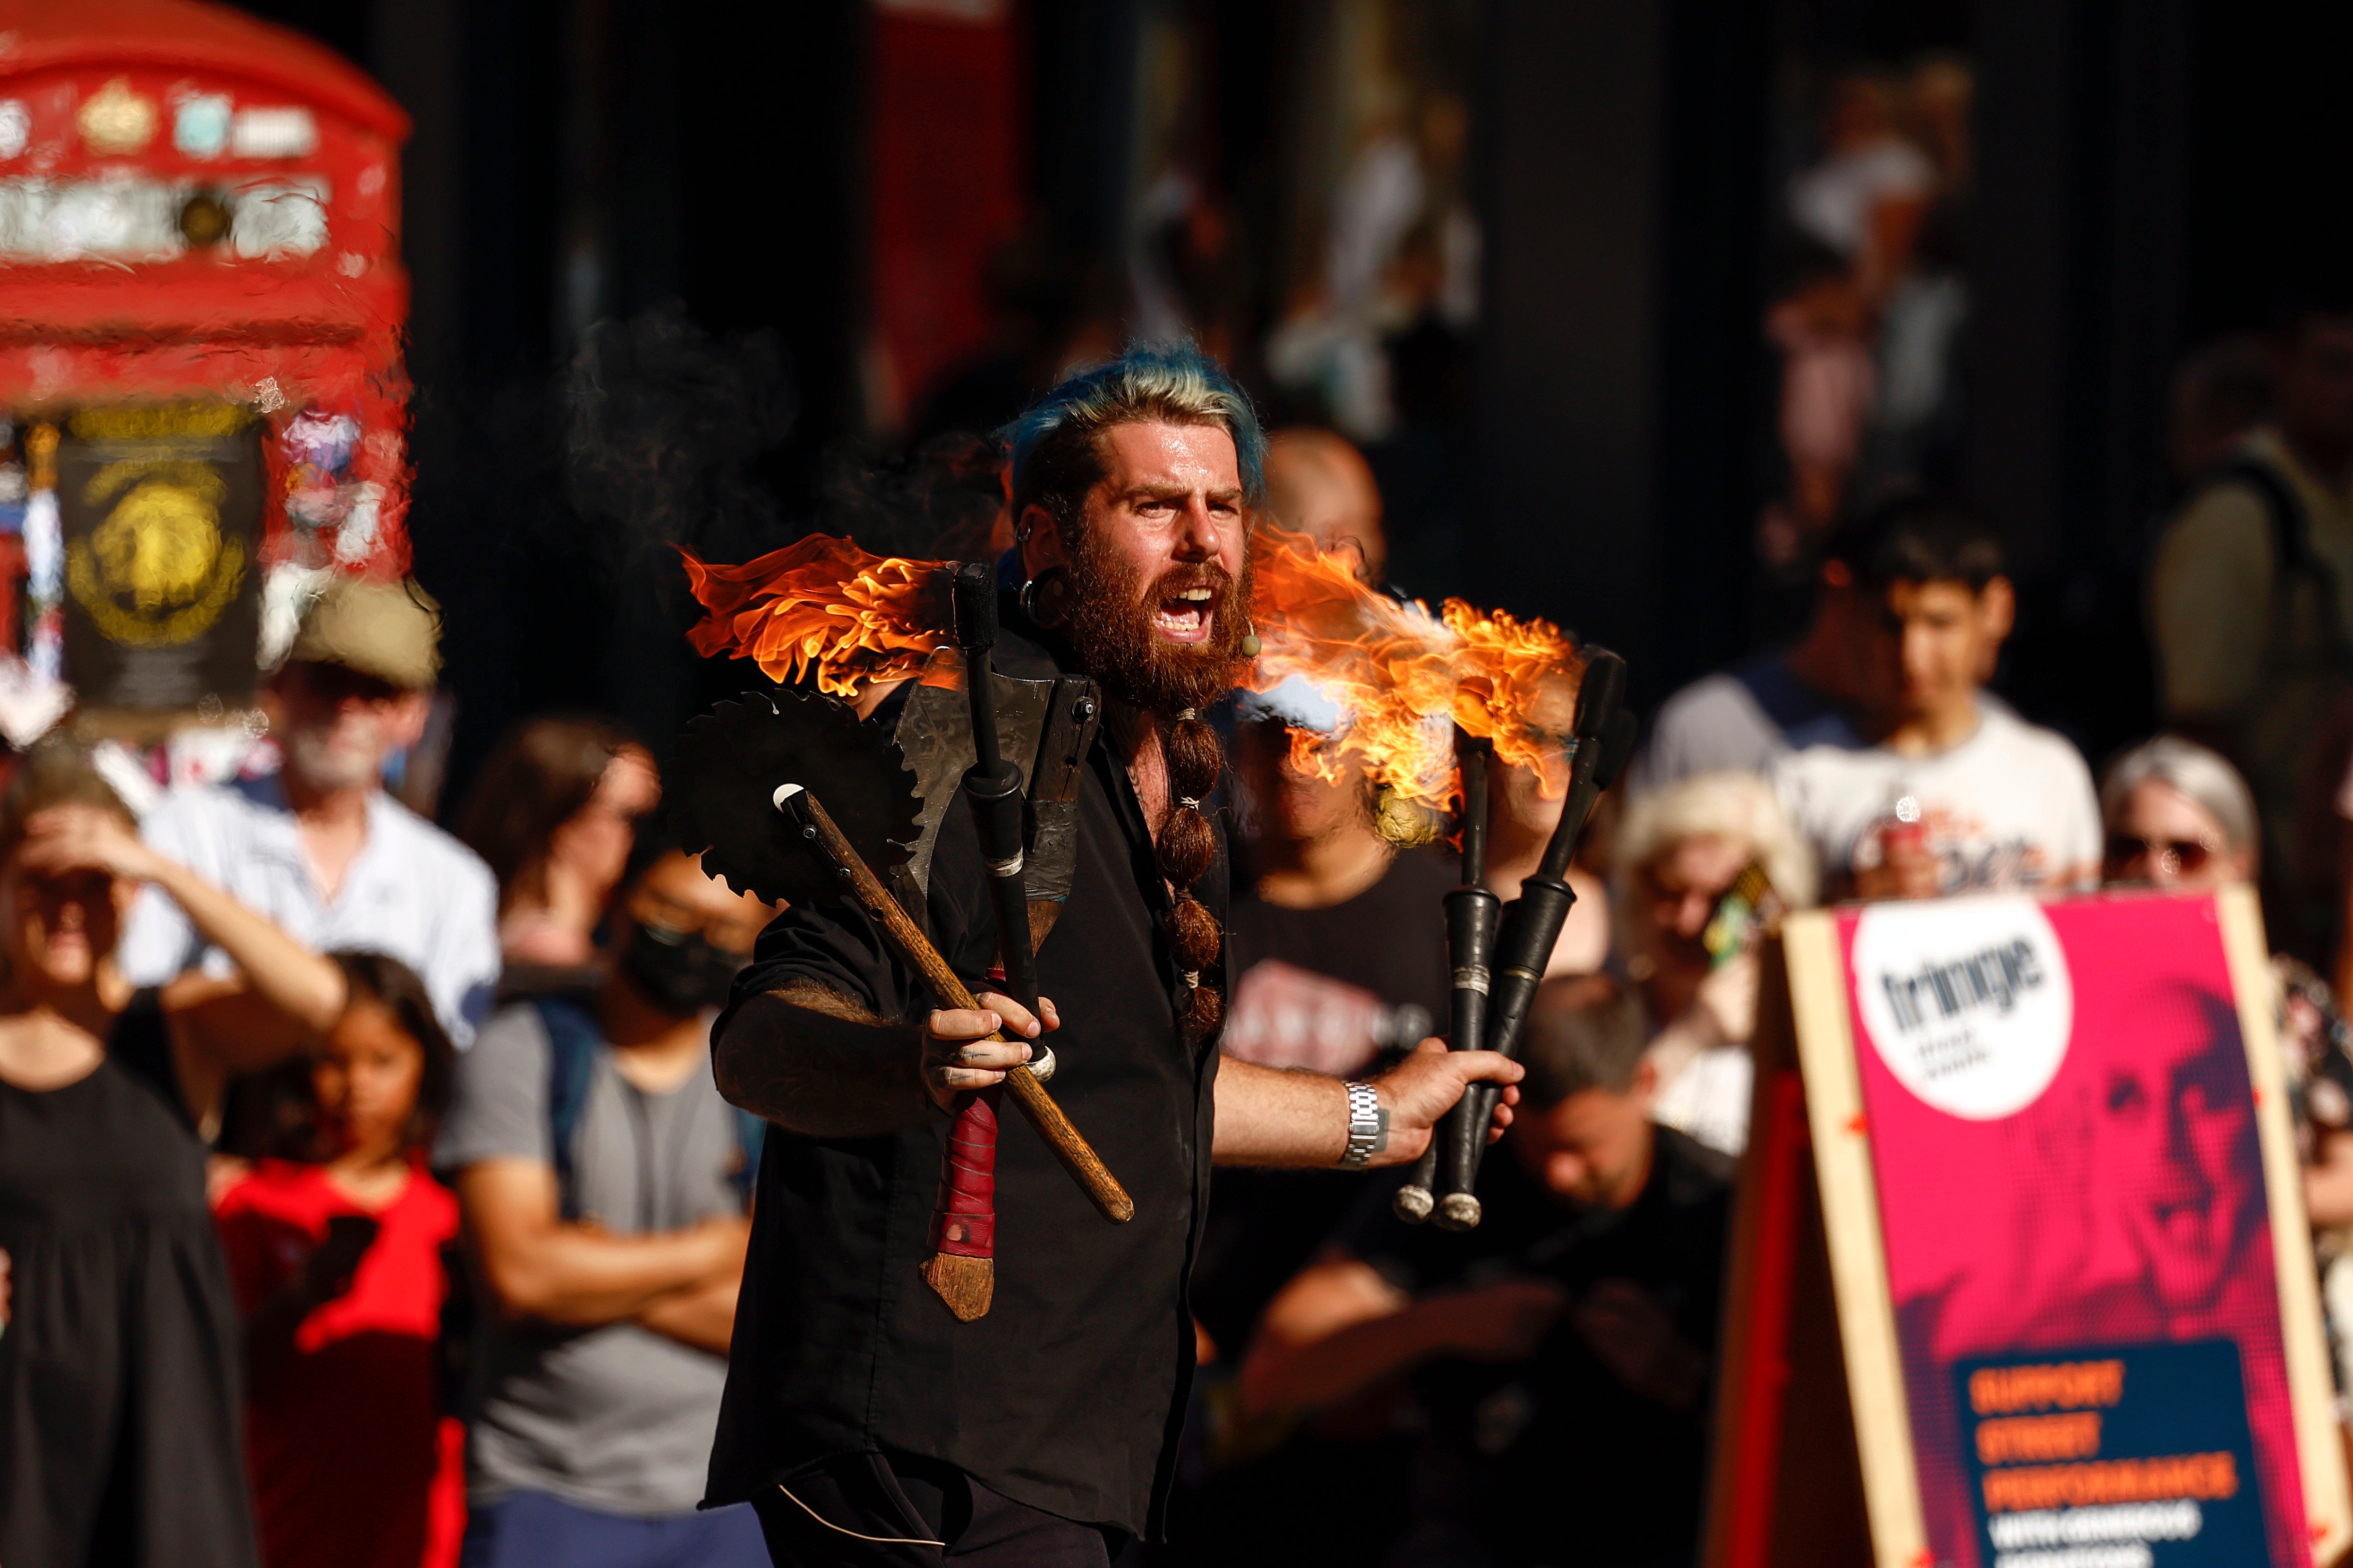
x,y
1630,1333
1502,1321
1907,868
1419,1091
958,1055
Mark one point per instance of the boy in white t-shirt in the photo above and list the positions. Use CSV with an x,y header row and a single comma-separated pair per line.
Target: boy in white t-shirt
x,y
1957,794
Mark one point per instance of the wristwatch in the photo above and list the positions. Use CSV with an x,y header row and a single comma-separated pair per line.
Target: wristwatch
x,y
1368,1126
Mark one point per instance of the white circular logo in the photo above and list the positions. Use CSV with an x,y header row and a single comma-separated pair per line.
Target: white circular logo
x,y
1966,1000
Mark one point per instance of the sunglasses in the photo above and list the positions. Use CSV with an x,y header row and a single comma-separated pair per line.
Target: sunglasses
x,y
2166,856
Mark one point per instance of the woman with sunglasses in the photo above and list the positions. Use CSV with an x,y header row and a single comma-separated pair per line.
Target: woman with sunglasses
x,y
2180,817
119,1379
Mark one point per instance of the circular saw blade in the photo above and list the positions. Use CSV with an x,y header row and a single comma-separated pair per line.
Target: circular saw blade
x,y
729,763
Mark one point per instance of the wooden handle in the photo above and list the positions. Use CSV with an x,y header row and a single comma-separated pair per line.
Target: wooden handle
x,y
1077,1156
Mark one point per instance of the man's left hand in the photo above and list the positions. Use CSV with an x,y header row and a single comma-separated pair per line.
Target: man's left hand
x,y
1419,1091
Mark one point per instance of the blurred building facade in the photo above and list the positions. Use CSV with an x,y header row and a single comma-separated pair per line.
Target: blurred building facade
x,y
1623,299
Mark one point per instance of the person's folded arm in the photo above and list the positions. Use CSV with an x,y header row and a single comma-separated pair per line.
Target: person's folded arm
x,y
539,1266
1339,1328
702,1318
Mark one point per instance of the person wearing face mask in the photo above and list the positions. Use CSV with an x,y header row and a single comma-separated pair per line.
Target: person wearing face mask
x,y
319,846
604,1184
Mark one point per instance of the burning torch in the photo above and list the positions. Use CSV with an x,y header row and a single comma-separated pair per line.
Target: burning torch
x,y
1603,737
1472,914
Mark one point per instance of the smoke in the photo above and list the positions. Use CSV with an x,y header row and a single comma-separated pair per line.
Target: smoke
x,y
942,502
664,429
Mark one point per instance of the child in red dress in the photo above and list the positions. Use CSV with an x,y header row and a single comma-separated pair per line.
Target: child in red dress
x,y
339,1269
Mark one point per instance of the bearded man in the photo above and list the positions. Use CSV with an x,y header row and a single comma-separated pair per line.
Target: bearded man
x,y
863,1420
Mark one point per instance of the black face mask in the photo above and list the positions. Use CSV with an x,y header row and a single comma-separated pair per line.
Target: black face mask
x,y
680,971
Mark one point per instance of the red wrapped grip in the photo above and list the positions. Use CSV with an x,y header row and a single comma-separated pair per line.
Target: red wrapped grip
x,y
964,1221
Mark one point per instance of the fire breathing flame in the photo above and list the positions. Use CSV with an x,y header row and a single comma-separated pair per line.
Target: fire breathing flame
x,y
822,605
1404,679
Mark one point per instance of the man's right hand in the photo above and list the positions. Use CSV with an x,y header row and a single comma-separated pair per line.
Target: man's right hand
x,y
1502,1321
1907,868
958,1055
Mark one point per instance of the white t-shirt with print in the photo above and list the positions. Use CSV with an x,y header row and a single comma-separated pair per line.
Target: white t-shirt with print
x,y
2011,808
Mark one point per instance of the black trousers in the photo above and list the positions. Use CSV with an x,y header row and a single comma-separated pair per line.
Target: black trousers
x,y
876,1510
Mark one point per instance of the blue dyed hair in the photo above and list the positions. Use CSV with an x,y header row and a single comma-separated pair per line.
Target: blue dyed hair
x,y
1057,457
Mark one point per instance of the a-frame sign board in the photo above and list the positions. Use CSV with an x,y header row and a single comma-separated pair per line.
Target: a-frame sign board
x,y
2020,1276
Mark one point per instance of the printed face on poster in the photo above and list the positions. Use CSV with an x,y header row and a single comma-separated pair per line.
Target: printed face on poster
x,y
2069,1173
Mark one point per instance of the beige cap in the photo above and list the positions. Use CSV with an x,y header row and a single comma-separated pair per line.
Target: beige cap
x,y
389,630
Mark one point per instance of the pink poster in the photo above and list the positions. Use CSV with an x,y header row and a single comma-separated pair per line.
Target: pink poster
x,y
2070,1191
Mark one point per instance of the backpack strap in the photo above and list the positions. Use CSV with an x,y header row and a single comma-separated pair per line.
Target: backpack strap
x,y
751,1132
574,1042
2290,529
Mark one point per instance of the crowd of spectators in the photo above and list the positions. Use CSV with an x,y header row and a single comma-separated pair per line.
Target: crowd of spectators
x,y
1549,1366
400,1161
403,1150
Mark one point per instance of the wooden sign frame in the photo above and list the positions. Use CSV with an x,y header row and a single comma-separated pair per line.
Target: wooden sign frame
x,y
1814,1461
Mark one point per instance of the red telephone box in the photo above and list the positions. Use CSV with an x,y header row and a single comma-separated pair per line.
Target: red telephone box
x,y
201,303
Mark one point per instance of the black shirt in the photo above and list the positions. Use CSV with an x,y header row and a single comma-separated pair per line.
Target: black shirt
x,y
1069,1394
1554,1460
121,1393
1389,941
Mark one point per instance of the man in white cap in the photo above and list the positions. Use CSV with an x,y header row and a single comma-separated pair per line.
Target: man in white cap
x,y
319,846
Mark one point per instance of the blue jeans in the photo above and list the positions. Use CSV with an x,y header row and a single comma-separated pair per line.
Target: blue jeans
x,y
532,1530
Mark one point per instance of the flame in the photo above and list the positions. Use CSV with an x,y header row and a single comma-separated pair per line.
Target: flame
x,y
1404,679
821,605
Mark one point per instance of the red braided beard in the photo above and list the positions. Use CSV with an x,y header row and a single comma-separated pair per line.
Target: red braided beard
x,y
1110,629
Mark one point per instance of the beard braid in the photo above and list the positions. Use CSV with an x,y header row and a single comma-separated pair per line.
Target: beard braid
x,y
1110,629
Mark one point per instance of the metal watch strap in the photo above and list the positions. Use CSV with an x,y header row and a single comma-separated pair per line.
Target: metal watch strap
x,y
1368,1126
